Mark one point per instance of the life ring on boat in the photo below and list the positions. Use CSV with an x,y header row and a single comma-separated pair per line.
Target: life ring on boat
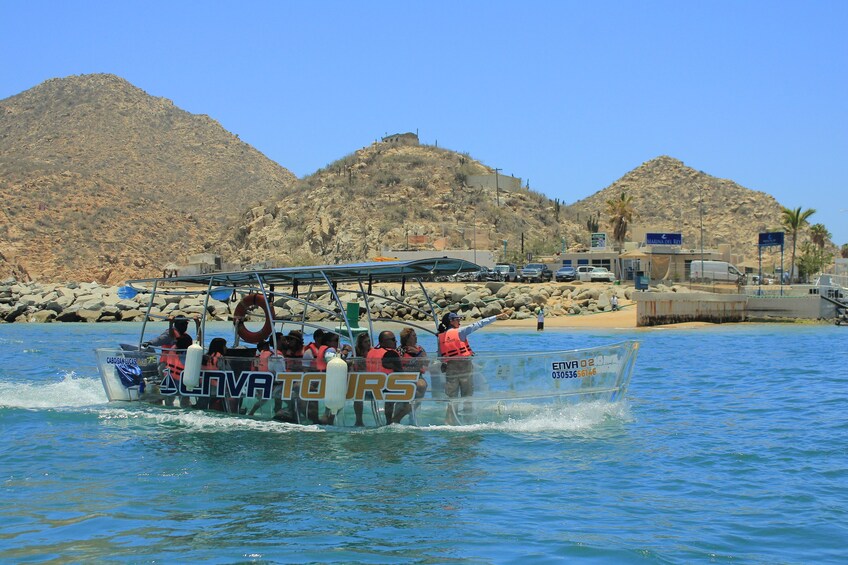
x,y
252,301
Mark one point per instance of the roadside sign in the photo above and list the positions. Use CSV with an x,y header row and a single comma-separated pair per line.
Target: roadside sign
x,y
599,241
664,239
771,239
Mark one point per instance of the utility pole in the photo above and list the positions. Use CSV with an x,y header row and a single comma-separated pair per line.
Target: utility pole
x,y
701,215
474,232
498,188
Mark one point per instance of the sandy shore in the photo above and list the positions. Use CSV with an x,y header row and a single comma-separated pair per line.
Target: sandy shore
x,y
623,319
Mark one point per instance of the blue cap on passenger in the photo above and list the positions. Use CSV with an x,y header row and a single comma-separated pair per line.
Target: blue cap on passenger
x,y
453,316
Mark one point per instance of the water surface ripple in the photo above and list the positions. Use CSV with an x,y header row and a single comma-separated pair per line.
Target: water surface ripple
x,y
730,447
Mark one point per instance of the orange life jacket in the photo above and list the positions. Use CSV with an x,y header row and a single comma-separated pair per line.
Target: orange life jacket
x,y
309,364
262,360
451,346
421,368
320,362
374,361
170,357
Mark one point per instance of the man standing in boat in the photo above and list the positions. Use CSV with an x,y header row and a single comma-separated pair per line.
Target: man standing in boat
x,y
457,367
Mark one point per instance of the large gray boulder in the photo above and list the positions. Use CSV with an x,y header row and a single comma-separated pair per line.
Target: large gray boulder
x,y
44,316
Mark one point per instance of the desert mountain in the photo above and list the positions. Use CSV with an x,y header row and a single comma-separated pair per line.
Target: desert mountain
x,y
387,196
101,181
667,196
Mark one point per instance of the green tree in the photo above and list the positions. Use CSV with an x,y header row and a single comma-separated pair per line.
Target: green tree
x,y
844,251
794,221
819,235
812,259
620,212
820,238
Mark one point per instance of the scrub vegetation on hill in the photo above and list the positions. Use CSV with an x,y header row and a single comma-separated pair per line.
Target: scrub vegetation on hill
x,y
102,182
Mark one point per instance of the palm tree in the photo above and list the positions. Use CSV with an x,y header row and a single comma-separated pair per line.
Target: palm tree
x,y
819,235
620,212
794,221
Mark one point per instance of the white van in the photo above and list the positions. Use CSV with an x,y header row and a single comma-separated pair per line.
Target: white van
x,y
720,271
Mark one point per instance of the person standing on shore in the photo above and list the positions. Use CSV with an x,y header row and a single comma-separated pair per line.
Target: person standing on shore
x,y
540,319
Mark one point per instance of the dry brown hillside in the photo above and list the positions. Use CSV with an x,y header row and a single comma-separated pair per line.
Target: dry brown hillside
x,y
101,181
666,195
384,196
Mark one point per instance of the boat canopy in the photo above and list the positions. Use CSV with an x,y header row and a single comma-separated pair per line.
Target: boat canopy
x,y
305,283
383,271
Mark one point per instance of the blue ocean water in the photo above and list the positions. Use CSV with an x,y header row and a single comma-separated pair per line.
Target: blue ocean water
x,y
732,446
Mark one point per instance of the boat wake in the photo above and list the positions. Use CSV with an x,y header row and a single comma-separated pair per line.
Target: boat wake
x,y
74,391
574,419
69,392
196,420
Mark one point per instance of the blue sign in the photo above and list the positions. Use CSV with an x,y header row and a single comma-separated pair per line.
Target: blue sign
x,y
771,239
664,239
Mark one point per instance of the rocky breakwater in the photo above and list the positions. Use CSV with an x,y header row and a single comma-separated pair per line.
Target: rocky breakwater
x,y
91,302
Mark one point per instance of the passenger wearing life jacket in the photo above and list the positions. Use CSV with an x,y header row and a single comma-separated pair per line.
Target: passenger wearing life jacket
x,y
169,359
414,358
456,354
263,354
385,358
294,362
310,351
214,361
363,346
217,350
174,356
328,347
177,327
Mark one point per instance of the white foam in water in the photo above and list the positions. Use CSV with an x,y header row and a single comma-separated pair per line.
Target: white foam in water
x,y
198,420
574,418
577,418
70,391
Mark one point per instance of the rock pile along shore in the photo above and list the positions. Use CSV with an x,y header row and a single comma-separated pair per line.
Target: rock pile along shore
x,y
90,302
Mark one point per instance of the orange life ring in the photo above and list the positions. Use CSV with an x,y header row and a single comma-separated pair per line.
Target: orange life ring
x,y
252,301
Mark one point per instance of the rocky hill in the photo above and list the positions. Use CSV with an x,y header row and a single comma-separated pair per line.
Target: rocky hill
x,y
666,197
101,181
385,197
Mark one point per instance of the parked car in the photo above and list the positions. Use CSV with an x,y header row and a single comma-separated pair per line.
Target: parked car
x,y
584,273
565,274
536,272
486,274
601,274
506,272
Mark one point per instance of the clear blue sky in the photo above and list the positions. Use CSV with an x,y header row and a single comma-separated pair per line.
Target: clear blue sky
x,y
568,94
